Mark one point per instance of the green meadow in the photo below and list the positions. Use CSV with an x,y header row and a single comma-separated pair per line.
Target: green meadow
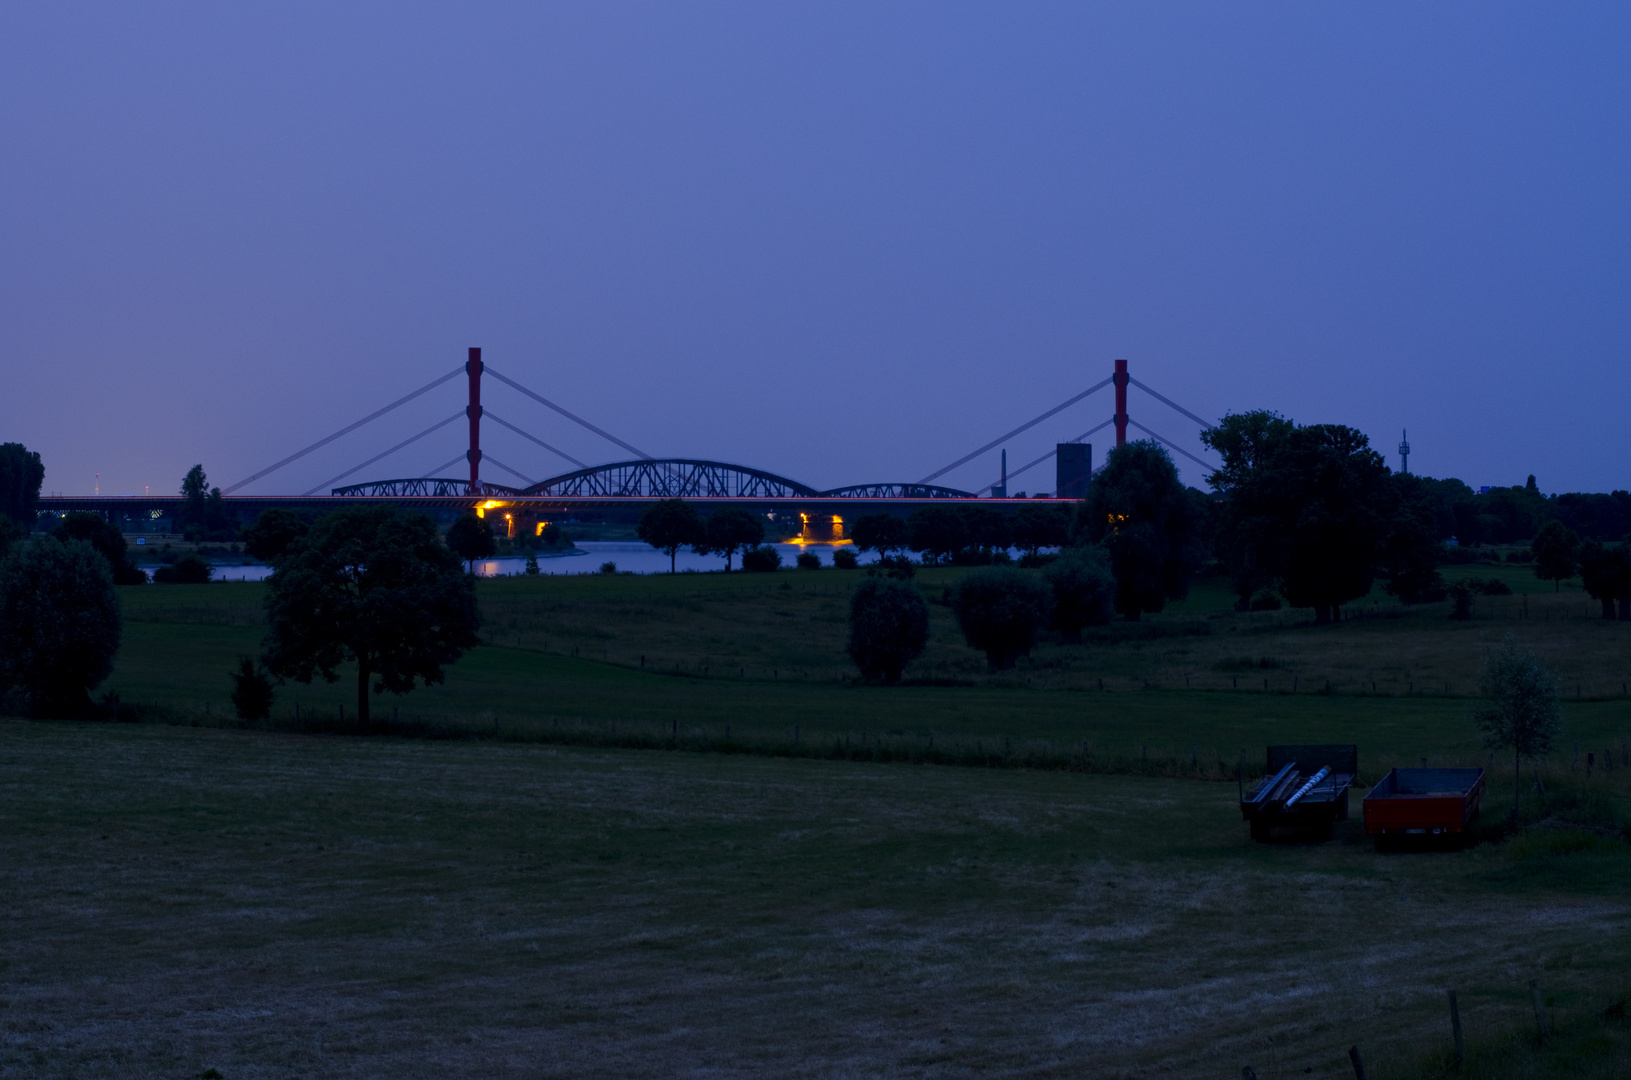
x,y
653,827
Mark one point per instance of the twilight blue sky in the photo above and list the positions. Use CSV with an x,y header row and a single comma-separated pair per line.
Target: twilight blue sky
x,y
845,242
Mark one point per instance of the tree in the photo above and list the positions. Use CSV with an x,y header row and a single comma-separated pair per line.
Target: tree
x,y
728,531
205,513
1307,507
251,690
109,542
888,627
21,474
1520,709
1084,590
10,533
1410,557
471,538
1605,573
1000,611
936,531
882,533
1140,512
270,536
670,525
988,530
1036,527
374,586
1556,549
60,623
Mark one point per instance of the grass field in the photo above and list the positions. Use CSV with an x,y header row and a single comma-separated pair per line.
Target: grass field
x,y
267,904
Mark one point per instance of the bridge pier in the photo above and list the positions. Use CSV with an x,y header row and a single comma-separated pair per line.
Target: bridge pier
x,y
473,369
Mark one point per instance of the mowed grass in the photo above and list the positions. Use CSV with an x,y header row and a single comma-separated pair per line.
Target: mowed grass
x,y
181,641
179,899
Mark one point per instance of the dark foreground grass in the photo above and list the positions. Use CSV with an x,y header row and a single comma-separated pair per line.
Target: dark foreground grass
x,y
176,900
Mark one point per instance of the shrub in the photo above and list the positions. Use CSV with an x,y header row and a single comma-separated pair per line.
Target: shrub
x,y
1000,610
187,570
1084,590
59,623
763,559
251,690
532,563
1493,587
898,567
1520,556
809,560
608,568
888,627
1265,600
845,559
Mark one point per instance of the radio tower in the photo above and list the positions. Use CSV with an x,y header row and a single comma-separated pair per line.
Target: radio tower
x,y
1404,452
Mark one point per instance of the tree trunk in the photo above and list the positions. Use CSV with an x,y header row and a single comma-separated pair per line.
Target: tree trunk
x,y
1608,608
672,552
1336,612
1625,609
362,694
1517,782
1322,614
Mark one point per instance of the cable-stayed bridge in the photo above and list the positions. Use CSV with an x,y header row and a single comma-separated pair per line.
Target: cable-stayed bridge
x,y
622,488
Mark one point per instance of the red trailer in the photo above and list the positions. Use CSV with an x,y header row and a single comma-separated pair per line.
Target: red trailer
x,y
1423,802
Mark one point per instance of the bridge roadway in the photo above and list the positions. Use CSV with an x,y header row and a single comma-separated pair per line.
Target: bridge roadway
x,y
140,513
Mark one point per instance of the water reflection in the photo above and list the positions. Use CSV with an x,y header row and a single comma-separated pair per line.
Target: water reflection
x,y
587,558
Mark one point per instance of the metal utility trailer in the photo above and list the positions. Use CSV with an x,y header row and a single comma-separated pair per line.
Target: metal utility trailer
x,y
1423,802
1303,787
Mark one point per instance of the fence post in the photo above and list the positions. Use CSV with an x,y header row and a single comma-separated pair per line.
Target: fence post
x,y
1358,1062
1541,1025
1455,1030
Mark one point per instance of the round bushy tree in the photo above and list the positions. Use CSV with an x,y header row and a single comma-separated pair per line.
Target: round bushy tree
x,y
1139,510
471,538
270,536
670,525
1556,548
730,530
373,586
59,623
888,627
1000,611
1084,590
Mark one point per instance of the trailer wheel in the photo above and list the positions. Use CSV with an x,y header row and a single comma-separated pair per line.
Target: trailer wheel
x,y
1324,831
1260,831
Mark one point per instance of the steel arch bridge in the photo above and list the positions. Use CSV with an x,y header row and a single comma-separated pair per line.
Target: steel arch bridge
x,y
660,478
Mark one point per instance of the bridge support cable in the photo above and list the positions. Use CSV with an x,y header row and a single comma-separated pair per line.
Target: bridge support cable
x,y
491,460
348,429
540,399
431,475
1050,453
381,456
488,414
966,458
1172,445
1206,425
